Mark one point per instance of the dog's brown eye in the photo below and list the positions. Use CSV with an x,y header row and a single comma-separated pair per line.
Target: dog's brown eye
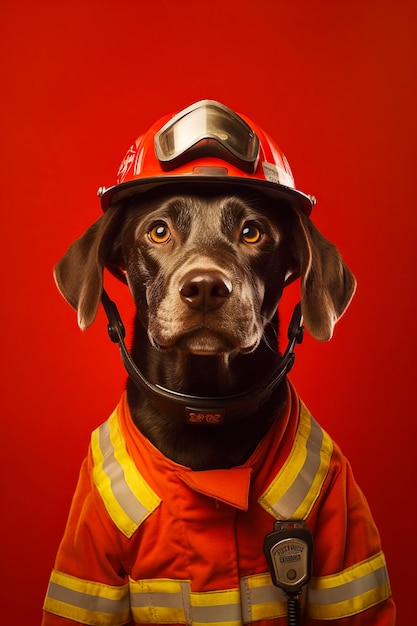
x,y
160,233
251,233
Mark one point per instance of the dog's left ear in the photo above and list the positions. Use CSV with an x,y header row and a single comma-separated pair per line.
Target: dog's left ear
x,y
327,284
79,274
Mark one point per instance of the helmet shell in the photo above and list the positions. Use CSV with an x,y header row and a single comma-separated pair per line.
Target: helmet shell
x,y
141,170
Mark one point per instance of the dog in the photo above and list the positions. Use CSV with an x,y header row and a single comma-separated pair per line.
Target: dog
x,y
206,296
207,267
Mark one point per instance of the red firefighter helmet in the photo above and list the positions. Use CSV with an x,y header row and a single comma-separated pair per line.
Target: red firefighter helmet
x,y
205,143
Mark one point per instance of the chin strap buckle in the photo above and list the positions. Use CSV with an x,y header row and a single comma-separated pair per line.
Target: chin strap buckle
x,y
115,326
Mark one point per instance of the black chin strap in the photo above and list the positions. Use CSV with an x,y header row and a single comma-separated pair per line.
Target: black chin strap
x,y
200,409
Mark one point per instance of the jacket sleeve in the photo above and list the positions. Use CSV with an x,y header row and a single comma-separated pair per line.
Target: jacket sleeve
x,y
350,583
88,583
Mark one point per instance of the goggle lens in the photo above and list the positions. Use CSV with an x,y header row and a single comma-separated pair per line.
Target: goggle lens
x,y
205,129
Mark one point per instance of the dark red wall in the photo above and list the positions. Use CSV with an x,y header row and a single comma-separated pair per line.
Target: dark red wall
x,y
334,83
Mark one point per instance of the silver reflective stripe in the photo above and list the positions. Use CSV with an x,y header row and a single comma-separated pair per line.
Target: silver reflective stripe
x,y
163,600
292,499
349,590
217,614
86,601
121,490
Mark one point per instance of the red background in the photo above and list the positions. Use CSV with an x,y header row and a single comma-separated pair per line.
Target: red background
x,y
334,83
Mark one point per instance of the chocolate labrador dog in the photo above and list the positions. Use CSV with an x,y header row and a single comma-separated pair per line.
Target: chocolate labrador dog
x,y
203,495
206,273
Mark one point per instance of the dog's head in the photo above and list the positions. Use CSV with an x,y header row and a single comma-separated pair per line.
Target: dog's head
x,y
207,269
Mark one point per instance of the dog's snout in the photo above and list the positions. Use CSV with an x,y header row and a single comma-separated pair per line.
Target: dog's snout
x,y
205,290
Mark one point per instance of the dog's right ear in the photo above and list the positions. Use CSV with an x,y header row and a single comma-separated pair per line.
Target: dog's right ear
x,y
79,274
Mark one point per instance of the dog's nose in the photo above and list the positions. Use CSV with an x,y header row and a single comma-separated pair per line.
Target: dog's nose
x,y
205,290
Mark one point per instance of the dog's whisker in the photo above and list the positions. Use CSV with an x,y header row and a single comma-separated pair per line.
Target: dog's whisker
x,y
270,334
267,342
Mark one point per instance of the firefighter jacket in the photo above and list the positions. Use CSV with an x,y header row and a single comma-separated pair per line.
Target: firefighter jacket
x,y
149,541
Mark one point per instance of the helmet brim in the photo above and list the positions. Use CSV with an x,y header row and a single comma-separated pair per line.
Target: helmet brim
x,y
296,199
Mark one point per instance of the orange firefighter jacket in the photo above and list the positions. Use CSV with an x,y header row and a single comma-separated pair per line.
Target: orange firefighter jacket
x,y
149,541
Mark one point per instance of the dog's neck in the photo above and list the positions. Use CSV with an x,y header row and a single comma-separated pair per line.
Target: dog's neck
x,y
204,446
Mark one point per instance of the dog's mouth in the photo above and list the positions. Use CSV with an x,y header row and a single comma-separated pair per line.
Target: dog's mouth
x,y
205,342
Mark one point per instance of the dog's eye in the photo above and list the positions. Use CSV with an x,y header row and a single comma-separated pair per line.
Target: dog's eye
x,y
251,233
160,233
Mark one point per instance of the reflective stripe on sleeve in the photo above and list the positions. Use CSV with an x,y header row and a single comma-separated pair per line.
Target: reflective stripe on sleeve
x,y
349,592
127,497
297,486
87,602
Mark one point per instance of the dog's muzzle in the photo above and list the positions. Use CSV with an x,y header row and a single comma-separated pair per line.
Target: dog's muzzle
x,y
201,409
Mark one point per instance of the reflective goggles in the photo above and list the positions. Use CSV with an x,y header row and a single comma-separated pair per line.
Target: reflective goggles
x,y
207,129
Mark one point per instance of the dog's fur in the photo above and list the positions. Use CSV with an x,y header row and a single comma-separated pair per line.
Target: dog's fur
x,y
206,271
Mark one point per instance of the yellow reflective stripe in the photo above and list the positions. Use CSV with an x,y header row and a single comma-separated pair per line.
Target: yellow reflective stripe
x,y
297,486
127,497
87,602
263,599
351,591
